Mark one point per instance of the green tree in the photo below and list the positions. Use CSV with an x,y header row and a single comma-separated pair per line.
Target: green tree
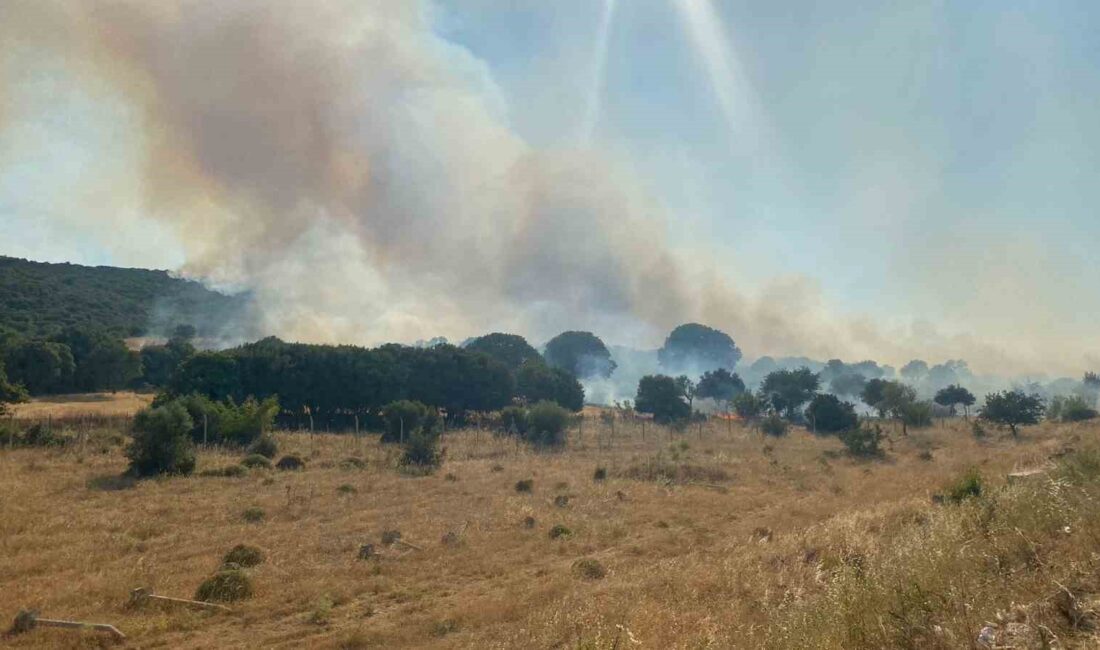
x,y
1012,408
580,353
535,381
720,385
9,393
546,425
748,406
211,374
953,396
160,362
692,347
873,395
827,414
510,349
687,386
161,442
788,390
915,370
663,397
405,417
40,366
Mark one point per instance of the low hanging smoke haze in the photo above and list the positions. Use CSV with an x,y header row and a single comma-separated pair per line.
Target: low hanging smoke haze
x,y
357,174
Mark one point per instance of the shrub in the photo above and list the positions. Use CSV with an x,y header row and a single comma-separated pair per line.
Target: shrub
x,y
231,471
600,474
244,556
525,485
1076,409
244,424
225,586
421,450
405,417
547,424
253,515
256,461
978,430
513,419
559,531
290,462
773,425
161,444
265,446
589,568
916,414
969,486
863,442
827,414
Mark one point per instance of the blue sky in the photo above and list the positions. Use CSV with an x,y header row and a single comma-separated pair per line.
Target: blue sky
x,y
892,128
916,162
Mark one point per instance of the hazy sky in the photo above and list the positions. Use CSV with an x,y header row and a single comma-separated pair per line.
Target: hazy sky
x,y
911,163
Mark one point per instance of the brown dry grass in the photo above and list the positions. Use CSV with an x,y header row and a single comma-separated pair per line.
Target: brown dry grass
x,y
122,403
725,561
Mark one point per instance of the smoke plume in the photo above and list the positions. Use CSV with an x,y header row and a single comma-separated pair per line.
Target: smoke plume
x,y
356,172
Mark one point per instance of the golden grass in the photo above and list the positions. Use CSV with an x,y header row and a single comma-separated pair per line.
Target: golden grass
x,y
122,403
753,554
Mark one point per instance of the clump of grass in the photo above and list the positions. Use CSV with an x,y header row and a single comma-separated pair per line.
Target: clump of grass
x,y
600,474
322,612
496,468
525,485
969,486
229,471
353,463
290,462
225,586
589,568
561,501
450,477
659,469
256,461
244,556
528,522
264,446
390,536
346,488
253,515
560,531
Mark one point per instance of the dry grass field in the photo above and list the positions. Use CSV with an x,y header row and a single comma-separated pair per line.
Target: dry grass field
x,y
710,538
122,403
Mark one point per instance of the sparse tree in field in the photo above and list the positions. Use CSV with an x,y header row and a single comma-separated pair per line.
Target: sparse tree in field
x,y
663,397
900,402
695,347
788,390
953,396
580,353
510,349
1012,408
749,406
720,385
828,414
162,441
536,381
873,395
1090,387
687,386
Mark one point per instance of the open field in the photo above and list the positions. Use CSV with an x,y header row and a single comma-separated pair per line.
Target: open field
x,y
711,538
122,403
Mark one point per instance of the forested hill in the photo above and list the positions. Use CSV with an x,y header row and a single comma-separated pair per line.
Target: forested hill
x,y
39,299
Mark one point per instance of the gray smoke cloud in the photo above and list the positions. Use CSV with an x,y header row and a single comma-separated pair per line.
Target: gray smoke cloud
x,y
356,172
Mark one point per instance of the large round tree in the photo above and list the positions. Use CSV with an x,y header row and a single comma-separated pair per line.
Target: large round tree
x,y
698,348
581,353
510,349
